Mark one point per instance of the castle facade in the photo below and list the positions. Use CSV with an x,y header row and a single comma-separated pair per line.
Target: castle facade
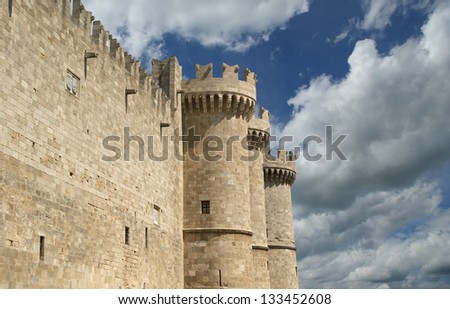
x,y
114,178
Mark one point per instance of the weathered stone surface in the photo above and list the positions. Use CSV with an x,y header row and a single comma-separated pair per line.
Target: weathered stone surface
x,y
65,210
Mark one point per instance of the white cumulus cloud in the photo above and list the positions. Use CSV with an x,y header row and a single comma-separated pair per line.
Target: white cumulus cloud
x,y
394,108
397,239
234,25
378,13
376,220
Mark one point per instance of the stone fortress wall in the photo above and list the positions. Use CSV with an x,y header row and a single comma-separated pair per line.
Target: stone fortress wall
x,y
72,219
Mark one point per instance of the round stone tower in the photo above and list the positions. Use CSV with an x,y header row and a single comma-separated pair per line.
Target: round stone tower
x,y
258,140
279,174
217,213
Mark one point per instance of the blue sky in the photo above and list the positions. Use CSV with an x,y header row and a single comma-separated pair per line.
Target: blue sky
x,y
378,71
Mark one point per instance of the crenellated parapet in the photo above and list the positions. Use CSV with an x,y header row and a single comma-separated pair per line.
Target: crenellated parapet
x,y
280,169
75,18
228,94
107,43
259,129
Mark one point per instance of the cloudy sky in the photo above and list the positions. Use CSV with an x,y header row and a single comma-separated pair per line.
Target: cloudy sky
x,y
378,71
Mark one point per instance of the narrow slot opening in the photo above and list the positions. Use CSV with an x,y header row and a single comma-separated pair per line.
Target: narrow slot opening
x,y
41,247
127,235
146,238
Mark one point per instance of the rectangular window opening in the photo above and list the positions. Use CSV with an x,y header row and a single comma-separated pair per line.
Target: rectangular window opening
x,y
72,83
71,7
41,247
206,207
127,235
220,277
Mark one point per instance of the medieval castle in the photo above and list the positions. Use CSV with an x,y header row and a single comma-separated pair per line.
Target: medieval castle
x,y
82,207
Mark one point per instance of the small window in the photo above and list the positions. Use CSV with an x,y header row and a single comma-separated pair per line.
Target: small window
x,y
72,82
156,213
127,235
206,207
41,247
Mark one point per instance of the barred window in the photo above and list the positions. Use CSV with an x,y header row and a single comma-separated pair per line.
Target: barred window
x,y
72,82
206,208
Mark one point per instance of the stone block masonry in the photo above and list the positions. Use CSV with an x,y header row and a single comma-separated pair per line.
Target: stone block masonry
x,y
69,219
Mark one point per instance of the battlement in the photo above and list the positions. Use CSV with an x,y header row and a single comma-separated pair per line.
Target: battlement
x,y
106,42
286,156
285,159
280,168
259,129
226,94
75,18
228,83
229,72
260,121
203,71
150,84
